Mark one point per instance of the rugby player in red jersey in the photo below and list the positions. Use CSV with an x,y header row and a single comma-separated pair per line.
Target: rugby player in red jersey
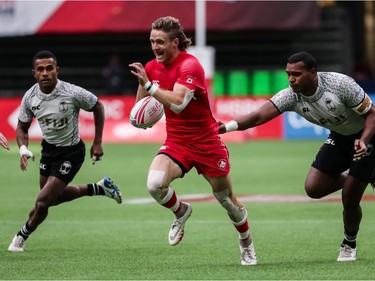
x,y
177,80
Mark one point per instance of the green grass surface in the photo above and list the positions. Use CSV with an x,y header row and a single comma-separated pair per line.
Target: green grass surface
x,y
93,238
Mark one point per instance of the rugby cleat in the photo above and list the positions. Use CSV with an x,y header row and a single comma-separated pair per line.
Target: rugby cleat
x,y
18,244
176,233
347,253
110,189
248,255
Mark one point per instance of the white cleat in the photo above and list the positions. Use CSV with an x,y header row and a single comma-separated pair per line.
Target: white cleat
x,y
177,229
248,255
111,190
347,253
18,244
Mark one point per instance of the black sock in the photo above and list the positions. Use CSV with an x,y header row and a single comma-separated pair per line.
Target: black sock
x,y
94,189
25,231
350,238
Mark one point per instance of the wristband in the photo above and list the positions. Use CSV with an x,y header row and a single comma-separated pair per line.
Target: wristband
x,y
25,151
147,86
231,126
153,89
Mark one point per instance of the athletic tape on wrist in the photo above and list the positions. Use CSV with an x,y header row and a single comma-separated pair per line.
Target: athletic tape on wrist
x,y
231,126
153,89
147,86
25,151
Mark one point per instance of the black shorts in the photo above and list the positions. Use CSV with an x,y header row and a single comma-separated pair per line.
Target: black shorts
x,y
62,162
336,156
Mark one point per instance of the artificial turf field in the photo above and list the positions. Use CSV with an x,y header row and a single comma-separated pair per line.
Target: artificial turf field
x,y
93,238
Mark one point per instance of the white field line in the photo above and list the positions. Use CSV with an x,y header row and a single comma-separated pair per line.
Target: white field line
x,y
265,198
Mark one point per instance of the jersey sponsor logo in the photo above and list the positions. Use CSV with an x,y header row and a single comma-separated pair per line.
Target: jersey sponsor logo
x,y
163,147
65,168
330,141
34,108
222,164
43,166
305,109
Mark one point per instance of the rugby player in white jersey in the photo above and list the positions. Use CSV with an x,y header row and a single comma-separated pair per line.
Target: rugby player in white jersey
x,y
346,160
56,105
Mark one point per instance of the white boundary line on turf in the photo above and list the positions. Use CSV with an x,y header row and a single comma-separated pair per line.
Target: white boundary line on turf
x,y
264,198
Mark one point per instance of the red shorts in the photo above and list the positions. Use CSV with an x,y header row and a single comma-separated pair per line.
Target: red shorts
x,y
209,158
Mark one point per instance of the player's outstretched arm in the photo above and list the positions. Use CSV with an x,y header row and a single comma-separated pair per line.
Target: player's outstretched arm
x,y
255,118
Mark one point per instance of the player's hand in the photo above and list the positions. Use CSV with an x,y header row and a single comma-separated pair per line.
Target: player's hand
x,y
4,142
25,154
360,150
96,153
222,128
139,72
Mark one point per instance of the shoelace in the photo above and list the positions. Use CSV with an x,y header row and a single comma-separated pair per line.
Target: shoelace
x,y
20,242
176,223
346,251
247,253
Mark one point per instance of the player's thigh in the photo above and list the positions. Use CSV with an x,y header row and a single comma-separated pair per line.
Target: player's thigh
x,y
318,180
42,181
164,164
51,191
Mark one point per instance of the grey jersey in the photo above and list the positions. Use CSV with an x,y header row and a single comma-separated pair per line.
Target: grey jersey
x,y
57,112
332,105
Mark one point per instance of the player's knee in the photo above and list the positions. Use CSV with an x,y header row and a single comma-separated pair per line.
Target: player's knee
x,y
313,192
155,183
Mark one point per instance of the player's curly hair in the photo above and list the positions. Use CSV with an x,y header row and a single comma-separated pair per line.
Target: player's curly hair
x,y
173,27
305,57
45,54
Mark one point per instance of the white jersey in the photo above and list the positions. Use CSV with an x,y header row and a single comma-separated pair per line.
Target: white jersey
x,y
332,106
57,112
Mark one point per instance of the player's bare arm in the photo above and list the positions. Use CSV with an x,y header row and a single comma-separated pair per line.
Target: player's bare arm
x,y
255,118
96,151
360,145
22,136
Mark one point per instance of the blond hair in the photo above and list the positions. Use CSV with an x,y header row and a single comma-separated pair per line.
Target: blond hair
x,y
174,29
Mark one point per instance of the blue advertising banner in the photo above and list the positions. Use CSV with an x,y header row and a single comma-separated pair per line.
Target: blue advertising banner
x,y
297,127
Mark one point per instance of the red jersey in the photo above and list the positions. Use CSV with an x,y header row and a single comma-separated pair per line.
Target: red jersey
x,y
195,123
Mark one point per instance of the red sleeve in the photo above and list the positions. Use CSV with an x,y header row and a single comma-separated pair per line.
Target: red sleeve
x,y
191,74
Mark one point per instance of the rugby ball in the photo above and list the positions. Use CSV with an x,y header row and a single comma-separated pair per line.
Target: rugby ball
x,y
146,112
